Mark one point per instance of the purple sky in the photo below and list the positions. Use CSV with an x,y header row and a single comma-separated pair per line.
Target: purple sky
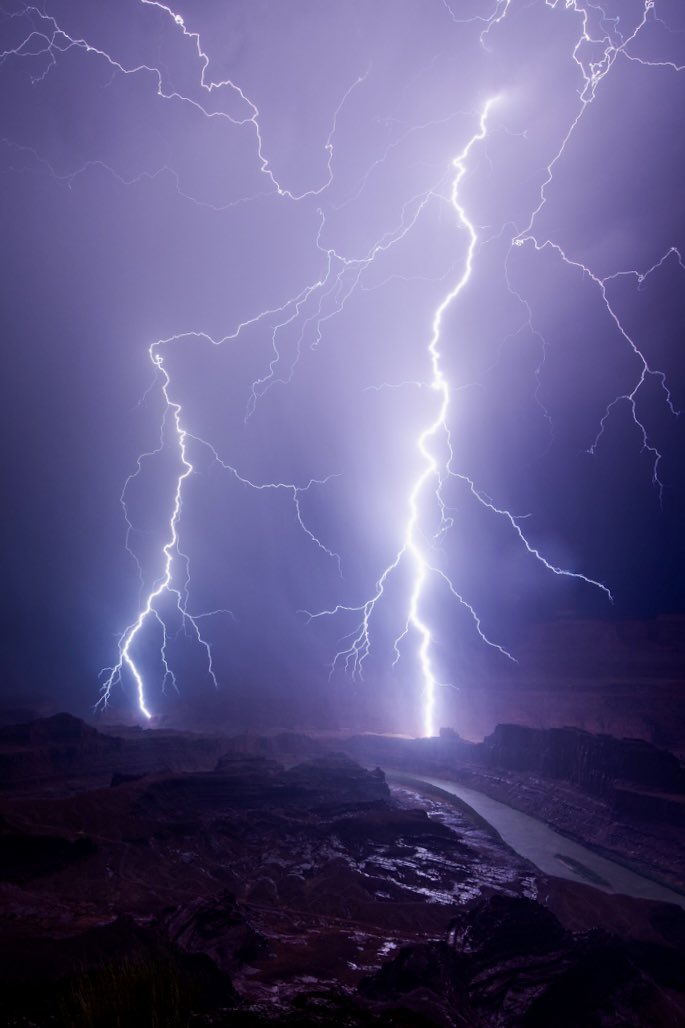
x,y
261,195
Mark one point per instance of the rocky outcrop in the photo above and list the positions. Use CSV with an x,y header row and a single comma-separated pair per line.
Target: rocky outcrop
x,y
624,797
509,962
623,678
641,783
259,894
287,748
335,783
121,973
26,855
293,882
64,753
594,763
648,806
218,928
53,749
327,785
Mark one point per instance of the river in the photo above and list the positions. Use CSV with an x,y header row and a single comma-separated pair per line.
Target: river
x,y
551,852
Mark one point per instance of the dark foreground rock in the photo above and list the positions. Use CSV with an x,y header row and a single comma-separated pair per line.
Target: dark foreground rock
x,y
27,855
509,962
308,894
276,889
115,975
217,928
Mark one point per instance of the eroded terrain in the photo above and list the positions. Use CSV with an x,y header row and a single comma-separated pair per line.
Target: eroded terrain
x,y
301,892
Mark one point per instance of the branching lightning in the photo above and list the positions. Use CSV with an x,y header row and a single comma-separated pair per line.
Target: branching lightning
x,y
175,576
613,46
413,546
600,42
172,557
359,641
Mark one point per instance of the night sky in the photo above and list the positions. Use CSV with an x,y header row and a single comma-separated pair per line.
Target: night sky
x,y
227,229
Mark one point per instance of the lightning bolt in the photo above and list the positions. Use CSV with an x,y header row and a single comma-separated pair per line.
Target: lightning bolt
x,y
358,647
165,587
413,548
598,45
47,38
174,580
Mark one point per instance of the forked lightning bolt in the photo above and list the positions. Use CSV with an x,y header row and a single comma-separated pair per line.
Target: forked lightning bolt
x,y
174,580
600,42
165,587
417,532
413,548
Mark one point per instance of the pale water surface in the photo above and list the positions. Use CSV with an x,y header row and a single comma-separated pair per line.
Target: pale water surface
x,y
551,852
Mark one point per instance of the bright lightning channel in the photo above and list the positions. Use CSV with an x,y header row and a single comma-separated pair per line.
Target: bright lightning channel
x,y
359,641
438,427
164,587
411,547
339,280
172,554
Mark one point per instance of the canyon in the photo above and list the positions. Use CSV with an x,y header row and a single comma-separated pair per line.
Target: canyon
x,y
286,879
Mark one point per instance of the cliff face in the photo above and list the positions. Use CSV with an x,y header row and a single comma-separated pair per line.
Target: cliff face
x,y
53,749
638,781
621,678
625,797
64,753
279,882
256,894
595,763
275,891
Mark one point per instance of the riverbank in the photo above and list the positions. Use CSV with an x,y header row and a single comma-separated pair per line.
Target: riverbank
x,y
549,851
